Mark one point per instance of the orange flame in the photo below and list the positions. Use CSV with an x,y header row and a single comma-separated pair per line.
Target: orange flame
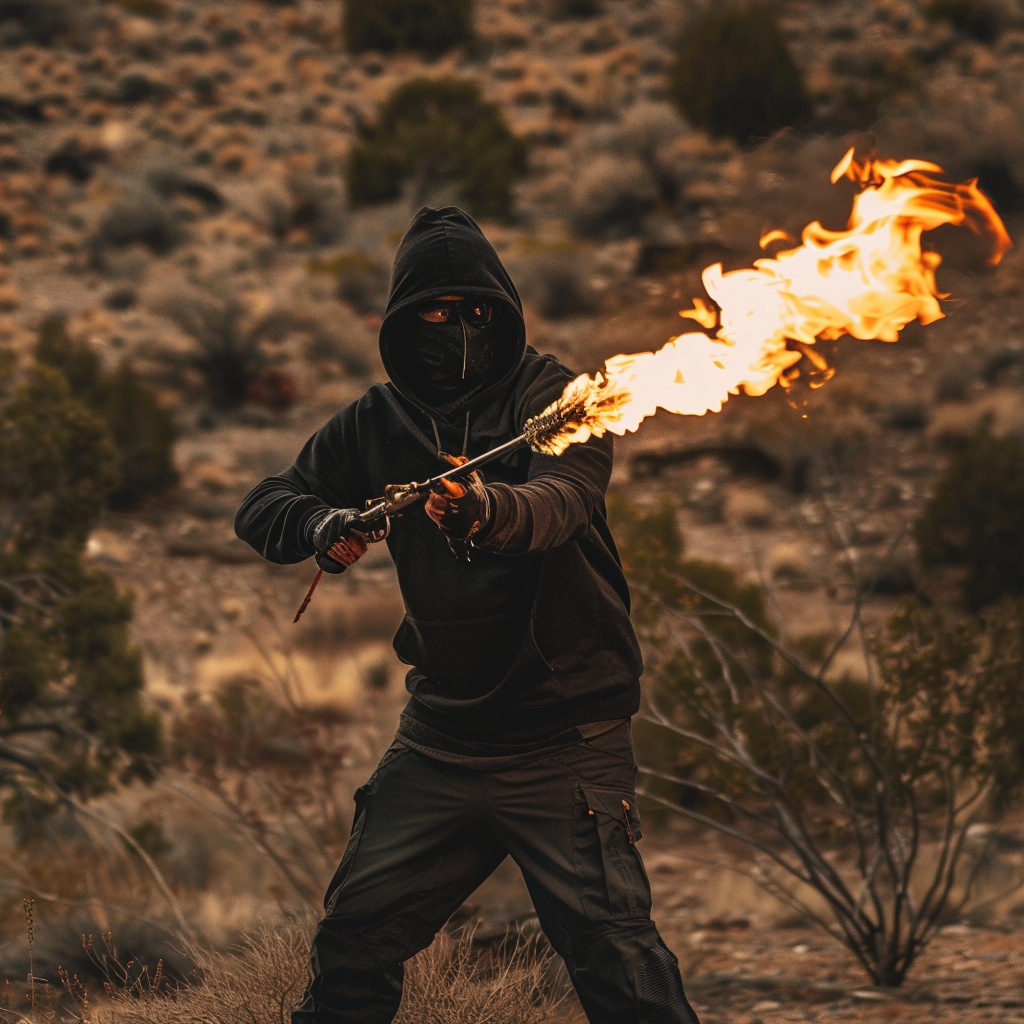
x,y
869,281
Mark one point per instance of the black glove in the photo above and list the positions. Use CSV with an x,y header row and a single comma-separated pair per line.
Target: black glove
x,y
460,511
337,543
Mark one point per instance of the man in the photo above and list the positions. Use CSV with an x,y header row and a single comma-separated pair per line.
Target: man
x,y
524,665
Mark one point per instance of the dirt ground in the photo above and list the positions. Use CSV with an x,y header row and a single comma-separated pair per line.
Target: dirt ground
x,y
745,959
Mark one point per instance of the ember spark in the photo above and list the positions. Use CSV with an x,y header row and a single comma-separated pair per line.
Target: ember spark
x,y
868,281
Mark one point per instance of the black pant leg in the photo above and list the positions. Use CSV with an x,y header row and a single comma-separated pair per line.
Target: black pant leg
x,y
570,822
419,848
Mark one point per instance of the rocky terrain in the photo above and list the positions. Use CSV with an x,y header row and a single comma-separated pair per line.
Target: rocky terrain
x,y
168,154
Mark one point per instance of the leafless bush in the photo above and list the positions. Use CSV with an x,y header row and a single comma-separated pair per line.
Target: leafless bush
x,y
864,794
273,761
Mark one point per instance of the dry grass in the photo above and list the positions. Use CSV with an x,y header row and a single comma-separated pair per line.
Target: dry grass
x,y
451,982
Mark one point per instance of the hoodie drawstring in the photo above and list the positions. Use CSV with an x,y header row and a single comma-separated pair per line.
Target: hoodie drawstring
x,y
465,349
437,438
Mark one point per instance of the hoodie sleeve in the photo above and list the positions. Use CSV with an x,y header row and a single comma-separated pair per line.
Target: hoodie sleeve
x,y
328,473
554,506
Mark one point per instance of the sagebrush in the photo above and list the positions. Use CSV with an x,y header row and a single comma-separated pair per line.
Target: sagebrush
x,y
427,26
734,75
433,133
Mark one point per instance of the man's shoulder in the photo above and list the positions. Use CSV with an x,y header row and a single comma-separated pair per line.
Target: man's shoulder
x,y
376,399
545,365
542,378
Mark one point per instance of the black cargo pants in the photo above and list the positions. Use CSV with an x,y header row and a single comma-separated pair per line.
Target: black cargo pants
x,y
427,834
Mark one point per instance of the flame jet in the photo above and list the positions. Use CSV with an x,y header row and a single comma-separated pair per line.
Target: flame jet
x,y
868,281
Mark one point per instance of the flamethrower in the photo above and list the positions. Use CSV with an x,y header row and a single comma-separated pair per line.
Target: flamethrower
x,y
539,433
867,282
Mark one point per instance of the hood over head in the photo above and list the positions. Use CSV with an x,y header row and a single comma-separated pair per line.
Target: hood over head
x,y
444,252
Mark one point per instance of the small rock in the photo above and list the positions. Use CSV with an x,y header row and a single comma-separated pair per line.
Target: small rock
x,y
211,476
231,608
788,562
120,298
202,642
746,506
765,1005
138,87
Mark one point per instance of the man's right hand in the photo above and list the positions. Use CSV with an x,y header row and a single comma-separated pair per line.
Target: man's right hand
x,y
338,544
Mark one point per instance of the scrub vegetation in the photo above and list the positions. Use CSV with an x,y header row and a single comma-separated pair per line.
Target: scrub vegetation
x,y
429,26
734,75
199,206
141,428
74,722
452,982
433,133
837,786
975,518
979,19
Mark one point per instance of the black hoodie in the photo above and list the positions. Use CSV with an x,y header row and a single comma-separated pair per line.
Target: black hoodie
x,y
532,636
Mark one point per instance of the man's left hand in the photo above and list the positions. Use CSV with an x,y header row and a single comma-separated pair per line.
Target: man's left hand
x,y
461,510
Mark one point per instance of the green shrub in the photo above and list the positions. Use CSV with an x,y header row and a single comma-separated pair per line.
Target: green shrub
x,y
145,8
42,21
979,19
434,133
140,427
734,75
562,10
70,681
427,26
975,518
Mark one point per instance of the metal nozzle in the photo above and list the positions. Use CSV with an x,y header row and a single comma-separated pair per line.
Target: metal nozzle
x,y
545,425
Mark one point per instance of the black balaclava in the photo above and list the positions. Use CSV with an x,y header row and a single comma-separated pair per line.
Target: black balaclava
x,y
449,366
452,360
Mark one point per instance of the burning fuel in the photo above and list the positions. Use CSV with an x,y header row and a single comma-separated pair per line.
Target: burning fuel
x,y
868,281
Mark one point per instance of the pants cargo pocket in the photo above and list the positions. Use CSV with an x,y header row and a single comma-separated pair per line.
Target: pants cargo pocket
x,y
334,889
361,796
607,829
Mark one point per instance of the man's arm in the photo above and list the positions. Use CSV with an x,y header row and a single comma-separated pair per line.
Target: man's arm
x,y
555,505
277,516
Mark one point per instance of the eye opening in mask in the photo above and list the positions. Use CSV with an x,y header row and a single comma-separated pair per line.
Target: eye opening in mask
x,y
473,311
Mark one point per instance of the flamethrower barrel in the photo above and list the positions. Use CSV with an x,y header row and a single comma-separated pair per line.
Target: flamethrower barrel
x,y
544,424
467,468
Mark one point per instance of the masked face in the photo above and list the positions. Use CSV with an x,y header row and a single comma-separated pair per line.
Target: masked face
x,y
453,348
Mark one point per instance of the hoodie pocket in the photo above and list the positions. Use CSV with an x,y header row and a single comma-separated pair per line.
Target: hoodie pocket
x,y
466,657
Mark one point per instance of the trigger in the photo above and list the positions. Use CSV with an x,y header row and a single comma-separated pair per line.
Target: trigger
x,y
455,490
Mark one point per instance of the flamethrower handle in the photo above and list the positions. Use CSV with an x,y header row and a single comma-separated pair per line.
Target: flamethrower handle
x,y
374,522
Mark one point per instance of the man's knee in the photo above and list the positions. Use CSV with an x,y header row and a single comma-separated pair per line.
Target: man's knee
x,y
623,969
341,944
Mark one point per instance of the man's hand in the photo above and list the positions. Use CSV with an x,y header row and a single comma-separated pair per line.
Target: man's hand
x,y
338,545
460,511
